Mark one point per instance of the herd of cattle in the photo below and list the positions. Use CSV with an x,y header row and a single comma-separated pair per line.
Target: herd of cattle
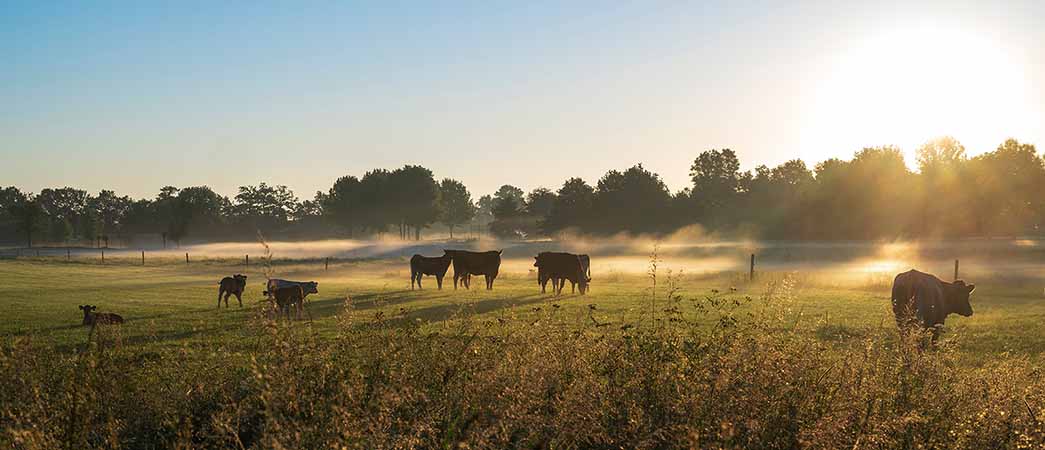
x,y
557,267
918,299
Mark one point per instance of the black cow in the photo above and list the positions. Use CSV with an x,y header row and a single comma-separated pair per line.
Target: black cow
x,y
559,267
287,296
922,299
307,287
233,285
423,265
475,263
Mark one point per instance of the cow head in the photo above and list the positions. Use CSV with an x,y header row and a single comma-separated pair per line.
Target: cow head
x,y
958,298
87,313
311,287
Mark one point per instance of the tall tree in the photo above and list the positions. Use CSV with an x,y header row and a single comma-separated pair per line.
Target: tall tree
x,y
942,165
196,209
572,208
716,186
265,206
635,200
344,203
455,204
508,204
23,210
539,202
415,197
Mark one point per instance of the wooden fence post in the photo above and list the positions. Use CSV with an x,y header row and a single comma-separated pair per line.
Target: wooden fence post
x,y
186,258
955,270
326,265
246,260
68,255
38,253
143,258
751,275
103,256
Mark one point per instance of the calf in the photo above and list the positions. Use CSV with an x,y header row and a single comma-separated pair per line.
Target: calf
x,y
307,287
468,263
92,318
423,265
233,285
287,296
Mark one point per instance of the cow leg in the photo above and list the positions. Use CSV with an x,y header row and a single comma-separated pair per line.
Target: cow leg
x,y
489,282
455,281
239,298
227,294
419,277
439,281
573,287
412,277
220,291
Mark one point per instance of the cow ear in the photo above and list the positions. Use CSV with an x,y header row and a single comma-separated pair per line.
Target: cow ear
x,y
971,287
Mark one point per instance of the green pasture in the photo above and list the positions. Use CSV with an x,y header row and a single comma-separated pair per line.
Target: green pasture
x,y
170,304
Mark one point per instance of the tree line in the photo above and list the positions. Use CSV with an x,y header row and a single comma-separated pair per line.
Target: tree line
x,y
873,195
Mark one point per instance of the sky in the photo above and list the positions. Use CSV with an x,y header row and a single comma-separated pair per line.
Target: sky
x,y
132,96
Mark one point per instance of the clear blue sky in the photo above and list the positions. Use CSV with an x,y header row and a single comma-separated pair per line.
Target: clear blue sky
x,y
133,96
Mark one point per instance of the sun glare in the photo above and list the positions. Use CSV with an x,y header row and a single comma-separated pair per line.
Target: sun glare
x,y
906,87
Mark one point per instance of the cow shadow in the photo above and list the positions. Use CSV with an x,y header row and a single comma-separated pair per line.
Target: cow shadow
x,y
443,312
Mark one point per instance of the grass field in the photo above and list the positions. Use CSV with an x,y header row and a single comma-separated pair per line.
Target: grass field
x,y
169,303
708,359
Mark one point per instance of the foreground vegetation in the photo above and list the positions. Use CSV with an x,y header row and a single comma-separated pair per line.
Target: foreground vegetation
x,y
789,360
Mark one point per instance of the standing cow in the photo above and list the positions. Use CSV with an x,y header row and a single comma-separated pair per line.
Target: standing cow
x,y
559,267
233,285
307,287
468,263
921,299
423,265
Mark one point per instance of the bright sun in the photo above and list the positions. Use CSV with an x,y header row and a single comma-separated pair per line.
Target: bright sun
x,y
906,87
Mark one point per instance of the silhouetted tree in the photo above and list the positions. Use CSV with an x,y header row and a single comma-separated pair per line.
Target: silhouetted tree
x,y
635,200
264,207
414,196
196,208
716,186
539,202
455,204
344,204
573,207
507,210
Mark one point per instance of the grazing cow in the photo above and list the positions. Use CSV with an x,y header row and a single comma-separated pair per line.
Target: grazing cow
x,y
233,285
922,299
475,263
92,318
287,296
423,265
560,267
